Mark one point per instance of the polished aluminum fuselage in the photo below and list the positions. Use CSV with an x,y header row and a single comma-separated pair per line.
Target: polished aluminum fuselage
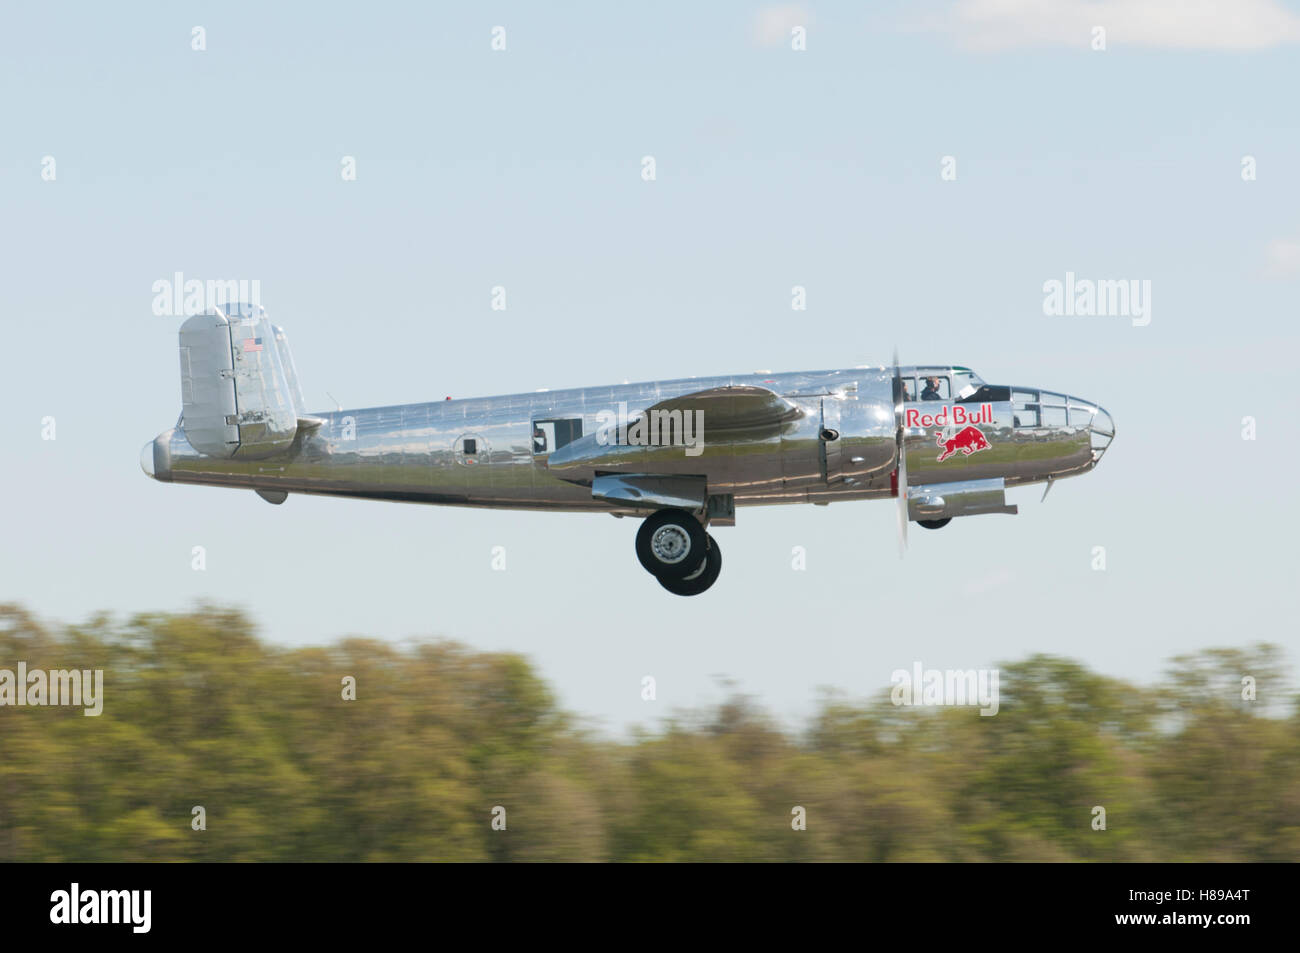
x,y
417,452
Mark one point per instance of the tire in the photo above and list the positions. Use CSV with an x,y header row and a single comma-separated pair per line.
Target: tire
x,y
935,524
671,544
702,578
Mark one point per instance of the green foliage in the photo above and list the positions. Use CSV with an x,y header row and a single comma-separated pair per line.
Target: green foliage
x,y
199,711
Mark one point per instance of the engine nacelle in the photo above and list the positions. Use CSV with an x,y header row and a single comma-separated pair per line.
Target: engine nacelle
x,y
965,498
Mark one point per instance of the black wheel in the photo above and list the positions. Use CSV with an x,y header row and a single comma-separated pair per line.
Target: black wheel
x,y
935,524
702,578
671,544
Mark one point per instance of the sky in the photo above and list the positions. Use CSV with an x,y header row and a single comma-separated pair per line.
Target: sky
x,y
1171,155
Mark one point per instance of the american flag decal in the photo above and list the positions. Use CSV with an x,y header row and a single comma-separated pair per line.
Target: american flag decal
x,y
252,344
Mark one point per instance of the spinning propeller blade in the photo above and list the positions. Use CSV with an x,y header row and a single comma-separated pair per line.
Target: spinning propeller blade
x,y
902,458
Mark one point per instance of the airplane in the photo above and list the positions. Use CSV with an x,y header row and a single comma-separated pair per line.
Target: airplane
x,y
681,455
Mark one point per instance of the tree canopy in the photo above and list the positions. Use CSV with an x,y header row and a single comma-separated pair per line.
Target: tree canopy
x,y
199,711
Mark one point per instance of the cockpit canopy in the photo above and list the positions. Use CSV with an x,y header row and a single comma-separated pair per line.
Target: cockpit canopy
x,y
965,382
958,384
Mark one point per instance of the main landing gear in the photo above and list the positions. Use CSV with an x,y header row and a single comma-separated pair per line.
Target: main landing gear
x,y
935,524
674,548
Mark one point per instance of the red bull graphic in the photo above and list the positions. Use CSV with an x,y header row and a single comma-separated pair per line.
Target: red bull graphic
x,y
955,415
968,440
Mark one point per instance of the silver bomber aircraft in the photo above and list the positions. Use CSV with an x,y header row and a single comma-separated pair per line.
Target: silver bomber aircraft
x,y
681,454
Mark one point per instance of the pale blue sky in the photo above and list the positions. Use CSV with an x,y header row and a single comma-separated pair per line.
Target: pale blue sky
x,y
775,168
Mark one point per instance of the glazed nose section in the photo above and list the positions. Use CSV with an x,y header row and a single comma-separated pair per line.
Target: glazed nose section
x,y
1102,429
146,459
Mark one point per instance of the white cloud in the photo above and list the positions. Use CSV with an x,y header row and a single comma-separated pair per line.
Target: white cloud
x,y
772,25
1283,258
996,25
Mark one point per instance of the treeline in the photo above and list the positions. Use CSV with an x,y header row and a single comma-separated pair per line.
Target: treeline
x,y
199,712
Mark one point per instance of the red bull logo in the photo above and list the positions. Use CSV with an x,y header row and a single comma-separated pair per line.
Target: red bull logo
x,y
955,415
968,440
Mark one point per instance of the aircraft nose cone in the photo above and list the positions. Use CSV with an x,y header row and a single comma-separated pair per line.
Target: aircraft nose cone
x,y
1103,432
146,459
1103,423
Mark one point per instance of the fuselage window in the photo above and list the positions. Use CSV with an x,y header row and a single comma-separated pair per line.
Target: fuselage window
x,y
469,448
551,434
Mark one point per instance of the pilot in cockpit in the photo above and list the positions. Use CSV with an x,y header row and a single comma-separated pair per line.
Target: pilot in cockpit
x,y
907,391
931,391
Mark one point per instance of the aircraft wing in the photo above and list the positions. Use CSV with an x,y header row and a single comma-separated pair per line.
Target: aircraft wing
x,y
729,413
740,407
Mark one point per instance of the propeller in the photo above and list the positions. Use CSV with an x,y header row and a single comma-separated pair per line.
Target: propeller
x,y
902,458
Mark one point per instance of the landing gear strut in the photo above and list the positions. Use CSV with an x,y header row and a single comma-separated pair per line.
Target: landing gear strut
x,y
674,548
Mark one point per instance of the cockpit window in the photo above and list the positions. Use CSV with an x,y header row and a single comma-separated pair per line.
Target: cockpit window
x,y
934,387
965,382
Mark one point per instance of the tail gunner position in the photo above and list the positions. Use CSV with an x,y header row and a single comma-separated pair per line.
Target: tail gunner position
x,y
682,454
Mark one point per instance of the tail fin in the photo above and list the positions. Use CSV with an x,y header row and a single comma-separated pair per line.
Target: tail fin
x,y
239,388
286,362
